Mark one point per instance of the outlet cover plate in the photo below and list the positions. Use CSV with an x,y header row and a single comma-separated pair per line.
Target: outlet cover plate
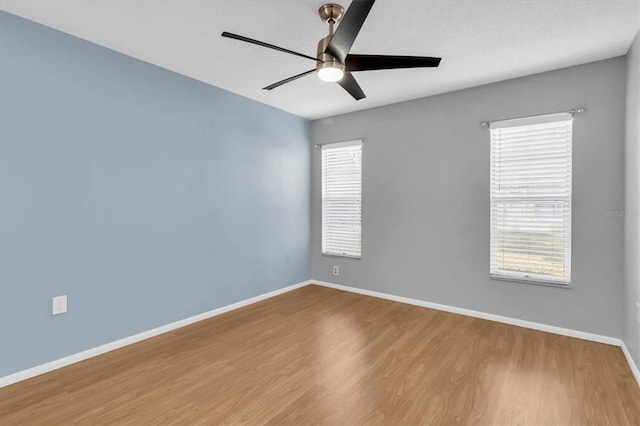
x,y
59,305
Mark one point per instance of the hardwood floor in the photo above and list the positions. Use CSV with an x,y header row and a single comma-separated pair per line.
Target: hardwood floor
x,y
323,356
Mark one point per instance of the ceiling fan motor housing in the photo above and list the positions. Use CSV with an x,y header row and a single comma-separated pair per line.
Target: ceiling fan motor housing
x,y
328,61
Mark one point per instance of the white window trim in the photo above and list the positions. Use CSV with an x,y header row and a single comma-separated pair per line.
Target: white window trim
x,y
328,251
528,277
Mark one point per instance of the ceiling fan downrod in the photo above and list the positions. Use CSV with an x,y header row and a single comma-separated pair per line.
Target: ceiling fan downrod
x,y
331,14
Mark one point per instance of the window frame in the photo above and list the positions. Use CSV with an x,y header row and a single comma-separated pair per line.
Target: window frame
x,y
532,277
323,245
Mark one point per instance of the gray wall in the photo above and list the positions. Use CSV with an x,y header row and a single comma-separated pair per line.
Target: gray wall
x,y
426,198
632,204
145,196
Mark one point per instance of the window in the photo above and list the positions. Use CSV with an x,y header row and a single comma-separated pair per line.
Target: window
x,y
341,198
531,199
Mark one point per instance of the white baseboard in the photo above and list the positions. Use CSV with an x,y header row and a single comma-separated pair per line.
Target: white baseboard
x,y
632,364
81,356
498,318
477,314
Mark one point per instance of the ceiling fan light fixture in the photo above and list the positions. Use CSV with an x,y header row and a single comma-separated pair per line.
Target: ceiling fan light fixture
x,y
330,69
330,74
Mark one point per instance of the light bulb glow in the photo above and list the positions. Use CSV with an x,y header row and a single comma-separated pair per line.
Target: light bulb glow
x,y
330,74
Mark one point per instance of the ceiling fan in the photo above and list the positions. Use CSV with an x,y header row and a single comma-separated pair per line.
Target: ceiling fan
x,y
334,63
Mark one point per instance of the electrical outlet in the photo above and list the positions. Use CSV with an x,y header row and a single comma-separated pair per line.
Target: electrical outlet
x,y
59,305
638,312
336,270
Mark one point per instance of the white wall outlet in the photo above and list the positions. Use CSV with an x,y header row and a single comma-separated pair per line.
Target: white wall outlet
x,y
336,270
59,305
638,312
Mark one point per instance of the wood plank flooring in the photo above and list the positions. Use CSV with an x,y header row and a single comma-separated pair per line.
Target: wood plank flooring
x,y
323,356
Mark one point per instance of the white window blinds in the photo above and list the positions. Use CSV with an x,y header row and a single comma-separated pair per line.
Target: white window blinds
x,y
531,199
341,198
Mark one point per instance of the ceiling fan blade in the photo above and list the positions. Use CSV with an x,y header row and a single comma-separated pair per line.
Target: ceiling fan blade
x,y
348,29
287,80
270,46
350,84
385,62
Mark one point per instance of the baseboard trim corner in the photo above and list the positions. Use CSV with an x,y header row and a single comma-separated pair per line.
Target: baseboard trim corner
x,y
631,362
478,314
108,347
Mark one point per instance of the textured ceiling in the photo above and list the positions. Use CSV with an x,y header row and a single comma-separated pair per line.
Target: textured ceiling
x,y
480,41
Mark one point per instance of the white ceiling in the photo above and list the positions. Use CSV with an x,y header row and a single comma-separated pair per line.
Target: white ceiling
x,y
480,41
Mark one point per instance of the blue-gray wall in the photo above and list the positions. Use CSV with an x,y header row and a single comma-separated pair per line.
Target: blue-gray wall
x,y
145,196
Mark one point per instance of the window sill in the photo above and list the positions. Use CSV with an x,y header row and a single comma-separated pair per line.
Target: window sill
x,y
531,281
342,256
